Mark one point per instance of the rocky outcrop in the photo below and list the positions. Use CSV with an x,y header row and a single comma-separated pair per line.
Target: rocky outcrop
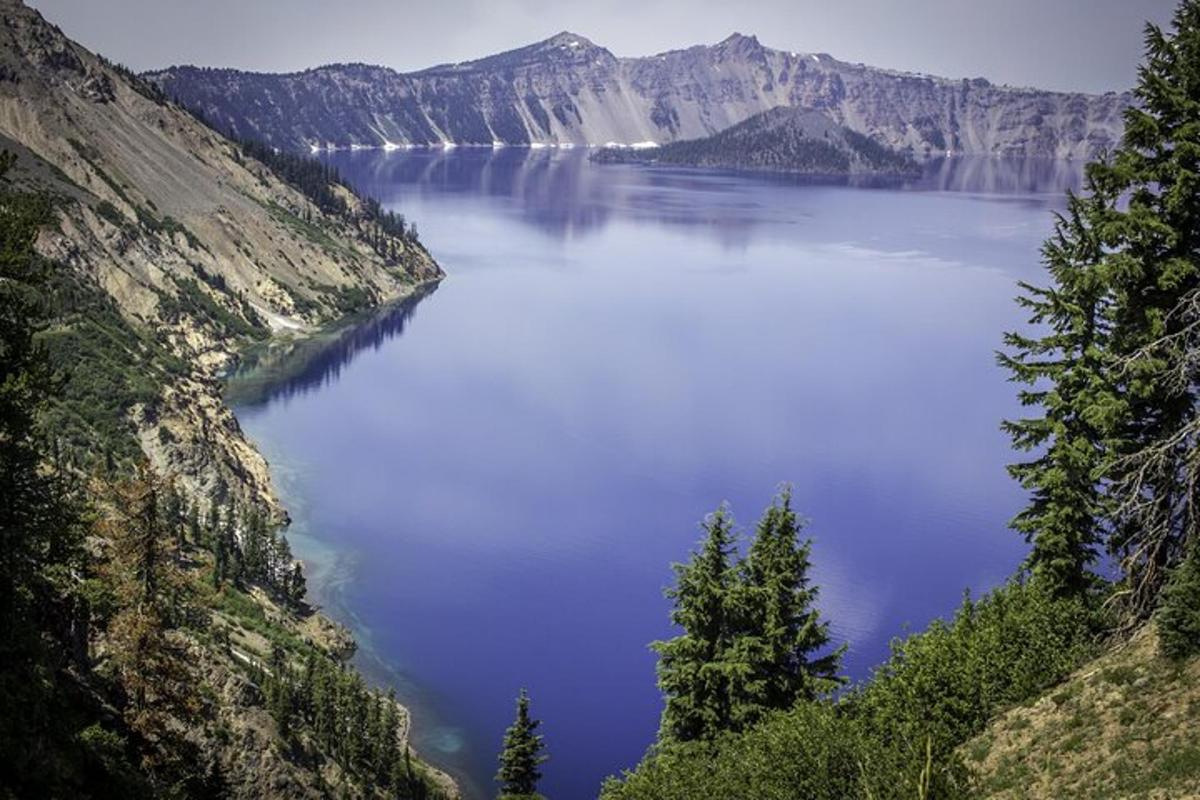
x,y
567,90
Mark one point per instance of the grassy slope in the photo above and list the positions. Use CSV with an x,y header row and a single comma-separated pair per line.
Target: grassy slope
x,y
1126,725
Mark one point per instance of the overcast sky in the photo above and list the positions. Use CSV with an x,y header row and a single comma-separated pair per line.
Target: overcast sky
x,y
1090,45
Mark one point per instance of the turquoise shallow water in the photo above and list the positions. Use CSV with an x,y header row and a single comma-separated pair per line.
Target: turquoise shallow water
x,y
490,483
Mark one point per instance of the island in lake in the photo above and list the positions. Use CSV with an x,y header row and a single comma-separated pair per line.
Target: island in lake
x,y
783,139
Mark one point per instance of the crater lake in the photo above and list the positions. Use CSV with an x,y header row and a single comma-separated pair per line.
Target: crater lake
x,y
489,482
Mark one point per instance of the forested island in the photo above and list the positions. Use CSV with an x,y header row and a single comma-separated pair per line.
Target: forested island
x,y
786,139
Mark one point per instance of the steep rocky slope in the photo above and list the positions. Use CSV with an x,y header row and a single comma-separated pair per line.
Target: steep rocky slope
x,y
784,139
567,90
196,244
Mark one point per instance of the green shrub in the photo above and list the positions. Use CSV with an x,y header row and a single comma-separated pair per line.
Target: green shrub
x,y
813,752
895,736
1179,615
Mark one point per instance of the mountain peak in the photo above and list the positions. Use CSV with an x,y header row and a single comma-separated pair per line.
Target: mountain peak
x,y
736,39
568,40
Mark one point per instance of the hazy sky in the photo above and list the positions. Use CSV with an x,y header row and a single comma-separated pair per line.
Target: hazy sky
x,y
1091,45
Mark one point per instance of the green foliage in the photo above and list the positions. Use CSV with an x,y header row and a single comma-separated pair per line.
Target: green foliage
x,y
1155,283
107,211
522,756
1064,374
946,682
192,300
1113,371
1178,617
103,366
359,729
322,185
750,630
778,626
694,669
49,744
896,735
813,752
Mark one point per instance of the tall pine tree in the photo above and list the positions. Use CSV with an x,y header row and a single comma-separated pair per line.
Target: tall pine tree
x,y
522,756
1154,241
693,668
1064,374
780,637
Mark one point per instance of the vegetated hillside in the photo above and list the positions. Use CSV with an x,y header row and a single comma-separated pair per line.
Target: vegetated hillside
x,y
567,90
183,235
155,639
1126,725
783,139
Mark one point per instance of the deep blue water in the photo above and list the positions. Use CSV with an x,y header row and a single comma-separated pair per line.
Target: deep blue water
x,y
490,483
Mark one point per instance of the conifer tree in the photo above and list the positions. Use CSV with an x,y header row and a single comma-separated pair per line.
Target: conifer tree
x,y
1179,617
1154,240
1117,377
220,561
41,542
150,658
694,670
1064,375
297,587
522,756
779,634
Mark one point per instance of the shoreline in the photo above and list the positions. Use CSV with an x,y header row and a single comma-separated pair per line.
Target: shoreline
x,y
319,559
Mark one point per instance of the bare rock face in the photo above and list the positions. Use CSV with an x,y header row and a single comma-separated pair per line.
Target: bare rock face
x,y
567,90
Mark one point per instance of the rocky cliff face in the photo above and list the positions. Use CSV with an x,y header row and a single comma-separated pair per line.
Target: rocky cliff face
x,y
198,246
567,90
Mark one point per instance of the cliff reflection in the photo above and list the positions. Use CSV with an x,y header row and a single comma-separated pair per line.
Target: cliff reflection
x,y
283,370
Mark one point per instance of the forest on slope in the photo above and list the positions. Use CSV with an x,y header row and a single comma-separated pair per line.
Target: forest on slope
x,y
155,634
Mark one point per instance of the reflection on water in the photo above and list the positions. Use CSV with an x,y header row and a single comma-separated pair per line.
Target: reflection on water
x,y
562,194
283,369
615,351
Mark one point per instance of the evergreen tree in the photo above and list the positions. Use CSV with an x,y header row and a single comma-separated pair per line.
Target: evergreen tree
x,y
1117,376
173,515
150,657
1155,274
1064,372
42,620
1179,617
522,756
694,669
779,632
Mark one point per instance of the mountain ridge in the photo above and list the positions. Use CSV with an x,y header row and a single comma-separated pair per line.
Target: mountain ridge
x,y
568,90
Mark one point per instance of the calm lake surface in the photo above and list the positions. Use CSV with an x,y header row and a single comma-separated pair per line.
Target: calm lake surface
x,y
489,484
